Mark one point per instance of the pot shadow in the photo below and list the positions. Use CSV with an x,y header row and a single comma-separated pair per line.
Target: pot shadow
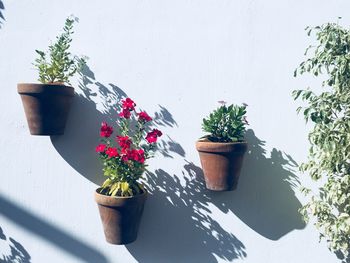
x,y
2,8
11,250
264,199
77,145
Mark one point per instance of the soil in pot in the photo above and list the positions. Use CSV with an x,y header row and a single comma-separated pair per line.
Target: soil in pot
x,y
221,163
120,216
46,107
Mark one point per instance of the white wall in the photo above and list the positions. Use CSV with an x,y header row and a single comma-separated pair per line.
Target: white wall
x,y
177,58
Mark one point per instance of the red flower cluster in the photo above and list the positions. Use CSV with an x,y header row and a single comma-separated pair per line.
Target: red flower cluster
x,y
127,153
138,155
153,135
144,117
128,105
124,142
125,114
135,155
101,148
112,152
126,150
106,130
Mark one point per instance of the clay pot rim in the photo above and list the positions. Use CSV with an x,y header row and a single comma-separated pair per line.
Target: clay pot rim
x,y
108,200
206,141
120,197
38,88
45,84
221,147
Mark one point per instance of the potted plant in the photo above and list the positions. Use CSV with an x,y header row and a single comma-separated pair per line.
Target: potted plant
x,y
47,105
221,151
122,196
328,110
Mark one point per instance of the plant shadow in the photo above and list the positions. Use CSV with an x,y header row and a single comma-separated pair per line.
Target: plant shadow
x,y
77,146
340,255
188,211
197,237
12,250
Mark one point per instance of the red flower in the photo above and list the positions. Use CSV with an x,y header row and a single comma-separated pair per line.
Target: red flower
x,y
125,157
138,155
106,130
144,117
124,141
153,135
128,104
125,113
112,152
135,155
100,148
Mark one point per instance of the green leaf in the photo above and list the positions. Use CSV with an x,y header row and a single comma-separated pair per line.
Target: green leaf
x,y
329,138
61,65
226,124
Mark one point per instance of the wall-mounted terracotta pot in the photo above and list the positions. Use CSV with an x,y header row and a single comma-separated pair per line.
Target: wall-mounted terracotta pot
x,y
46,107
221,163
120,216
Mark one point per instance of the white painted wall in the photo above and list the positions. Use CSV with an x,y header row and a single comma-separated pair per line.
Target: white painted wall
x,y
178,58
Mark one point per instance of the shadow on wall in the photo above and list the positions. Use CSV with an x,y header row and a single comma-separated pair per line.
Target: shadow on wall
x,y
178,226
47,231
77,146
184,221
342,257
264,199
11,250
2,18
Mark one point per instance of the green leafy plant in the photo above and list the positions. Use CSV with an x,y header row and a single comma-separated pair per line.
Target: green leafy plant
x,y
124,157
58,64
329,154
226,124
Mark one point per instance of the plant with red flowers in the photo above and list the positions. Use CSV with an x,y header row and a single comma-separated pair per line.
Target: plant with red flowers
x,y
124,155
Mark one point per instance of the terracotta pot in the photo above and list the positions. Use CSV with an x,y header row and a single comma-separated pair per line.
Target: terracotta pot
x,y
120,216
221,163
46,107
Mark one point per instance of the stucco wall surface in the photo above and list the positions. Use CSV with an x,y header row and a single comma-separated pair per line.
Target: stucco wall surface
x,y
176,59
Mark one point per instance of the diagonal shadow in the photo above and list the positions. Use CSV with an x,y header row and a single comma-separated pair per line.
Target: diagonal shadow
x,y
49,232
2,18
12,251
264,199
